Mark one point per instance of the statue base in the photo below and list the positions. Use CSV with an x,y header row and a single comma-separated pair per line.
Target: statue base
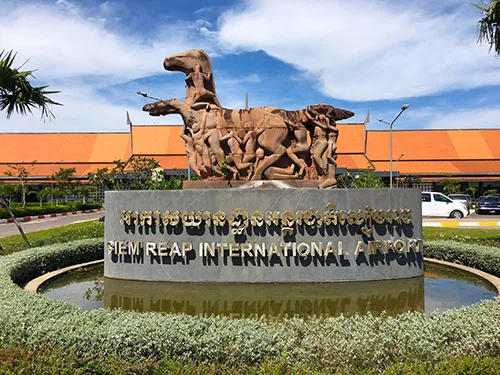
x,y
260,184
263,235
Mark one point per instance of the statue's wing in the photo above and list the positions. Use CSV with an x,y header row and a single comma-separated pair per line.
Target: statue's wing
x,y
333,113
341,114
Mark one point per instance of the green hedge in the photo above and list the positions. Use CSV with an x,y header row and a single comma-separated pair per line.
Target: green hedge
x,y
48,209
363,342
484,258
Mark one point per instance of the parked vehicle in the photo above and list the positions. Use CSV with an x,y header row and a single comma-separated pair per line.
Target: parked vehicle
x,y
437,204
465,199
488,204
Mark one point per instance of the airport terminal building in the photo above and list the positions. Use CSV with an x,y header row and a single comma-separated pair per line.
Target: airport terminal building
x,y
471,156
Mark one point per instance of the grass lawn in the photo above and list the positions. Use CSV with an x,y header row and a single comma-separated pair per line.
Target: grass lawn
x,y
72,232
478,236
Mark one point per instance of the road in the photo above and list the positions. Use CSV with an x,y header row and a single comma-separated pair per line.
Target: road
x,y
33,226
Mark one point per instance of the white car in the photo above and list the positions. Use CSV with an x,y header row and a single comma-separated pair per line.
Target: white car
x,y
437,204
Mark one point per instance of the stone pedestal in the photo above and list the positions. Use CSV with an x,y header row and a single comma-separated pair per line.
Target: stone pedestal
x,y
264,235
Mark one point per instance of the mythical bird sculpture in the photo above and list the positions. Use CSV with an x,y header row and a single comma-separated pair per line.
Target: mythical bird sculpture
x,y
254,143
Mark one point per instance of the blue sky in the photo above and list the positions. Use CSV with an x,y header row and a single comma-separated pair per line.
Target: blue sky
x,y
359,55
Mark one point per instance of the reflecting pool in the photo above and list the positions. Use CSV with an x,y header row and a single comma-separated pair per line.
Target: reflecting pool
x,y
441,288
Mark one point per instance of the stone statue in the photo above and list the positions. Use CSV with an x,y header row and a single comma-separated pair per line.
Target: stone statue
x,y
250,144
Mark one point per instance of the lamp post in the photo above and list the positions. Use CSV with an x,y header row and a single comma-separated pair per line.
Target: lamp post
x,y
397,167
404,107
52,181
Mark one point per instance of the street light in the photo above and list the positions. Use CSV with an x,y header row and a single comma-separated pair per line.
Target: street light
x,y
52,181
404,107
397,167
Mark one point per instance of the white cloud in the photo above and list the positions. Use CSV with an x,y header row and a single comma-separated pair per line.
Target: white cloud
x,y
84,111
79,55
63,44
477,118
366,50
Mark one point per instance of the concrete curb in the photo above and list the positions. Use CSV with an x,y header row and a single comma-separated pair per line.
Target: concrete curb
x,y
36,217
470,224
493,280
34,284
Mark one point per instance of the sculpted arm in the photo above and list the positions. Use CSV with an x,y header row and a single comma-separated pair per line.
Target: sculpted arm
x,y
227,136
235,136
186,137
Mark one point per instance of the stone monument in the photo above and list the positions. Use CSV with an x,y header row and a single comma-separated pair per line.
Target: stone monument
x,y
253,234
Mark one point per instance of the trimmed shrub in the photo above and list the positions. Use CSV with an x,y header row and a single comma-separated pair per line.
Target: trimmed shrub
x,y
48,209
361,342
484,258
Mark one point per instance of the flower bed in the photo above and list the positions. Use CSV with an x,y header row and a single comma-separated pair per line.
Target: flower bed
x,y
335,343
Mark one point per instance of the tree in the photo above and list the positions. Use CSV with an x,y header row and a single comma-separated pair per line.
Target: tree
x,y
16,92
84,191
472,191
21,173
42,194
7,191
488,27
365,179
411,180
451,186
19,228
137,173
64,181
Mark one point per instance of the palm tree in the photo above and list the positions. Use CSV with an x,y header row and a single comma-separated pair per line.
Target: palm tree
x,y
16,92
488,27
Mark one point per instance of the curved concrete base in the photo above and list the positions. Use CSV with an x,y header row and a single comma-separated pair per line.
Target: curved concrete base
x,y
34,284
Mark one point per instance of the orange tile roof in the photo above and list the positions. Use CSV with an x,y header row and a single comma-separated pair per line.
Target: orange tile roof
x,y
352,161
158,140
351,138
425,151
70,147
469,144
441,167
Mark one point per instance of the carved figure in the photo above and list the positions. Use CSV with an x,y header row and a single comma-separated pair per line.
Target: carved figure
x,y
256,143
197,80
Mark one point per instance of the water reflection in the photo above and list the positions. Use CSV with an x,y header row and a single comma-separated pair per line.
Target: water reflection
x,y
445,288
267,301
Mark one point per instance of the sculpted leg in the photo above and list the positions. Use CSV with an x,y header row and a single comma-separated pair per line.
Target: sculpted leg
x,y
267,162
299,162
277,173
317,153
